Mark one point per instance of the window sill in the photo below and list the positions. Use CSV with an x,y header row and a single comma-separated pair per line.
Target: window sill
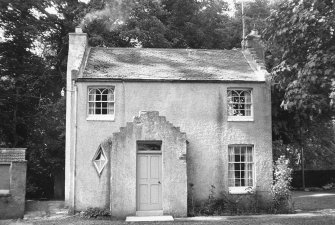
x,y
4,193
242,190
240,118
101,118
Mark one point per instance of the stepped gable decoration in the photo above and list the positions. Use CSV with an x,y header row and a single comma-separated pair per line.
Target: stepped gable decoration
x,y
148,126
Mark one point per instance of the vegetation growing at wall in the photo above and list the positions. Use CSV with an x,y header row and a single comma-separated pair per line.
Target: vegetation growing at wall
x,y
233,204
96,213
282,199
224,204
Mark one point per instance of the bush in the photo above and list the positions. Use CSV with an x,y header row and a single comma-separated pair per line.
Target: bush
x,y
224,204
96,213
281,194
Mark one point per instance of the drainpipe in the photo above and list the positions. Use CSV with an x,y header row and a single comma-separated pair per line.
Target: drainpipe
x,y
74,144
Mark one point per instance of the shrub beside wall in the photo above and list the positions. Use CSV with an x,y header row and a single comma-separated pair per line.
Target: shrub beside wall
x,y
232,204
281,193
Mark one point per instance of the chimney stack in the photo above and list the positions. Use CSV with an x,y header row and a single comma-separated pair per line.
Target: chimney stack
x,y
77,48
253,43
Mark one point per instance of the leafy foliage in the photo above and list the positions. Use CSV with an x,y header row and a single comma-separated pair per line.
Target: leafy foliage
x,y
162,24
33,59
281,187
96,213
224,203
300,38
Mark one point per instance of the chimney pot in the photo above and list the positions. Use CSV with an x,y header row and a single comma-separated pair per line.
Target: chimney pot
x,y
78,30
254,32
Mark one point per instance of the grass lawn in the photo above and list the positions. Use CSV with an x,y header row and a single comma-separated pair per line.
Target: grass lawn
x,y
318,208
292,219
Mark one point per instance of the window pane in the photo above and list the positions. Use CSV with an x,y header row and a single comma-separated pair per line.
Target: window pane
x,y
104,98
243,182
247,97
91,108
237,182
91,111
237,150
110,96
149,145
91,97
231,175
247,113
243,149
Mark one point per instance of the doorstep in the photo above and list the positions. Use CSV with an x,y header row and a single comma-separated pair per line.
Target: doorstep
x,y
150,213
148,218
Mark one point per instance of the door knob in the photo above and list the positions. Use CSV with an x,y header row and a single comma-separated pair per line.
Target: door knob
x,y
159,182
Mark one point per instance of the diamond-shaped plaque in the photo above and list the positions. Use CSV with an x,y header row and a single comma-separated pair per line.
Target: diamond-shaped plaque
x,y
100,160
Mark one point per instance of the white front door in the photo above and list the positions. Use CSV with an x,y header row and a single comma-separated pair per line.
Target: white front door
x,y
149,187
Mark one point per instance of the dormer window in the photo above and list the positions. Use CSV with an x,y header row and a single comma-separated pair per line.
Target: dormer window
x,y
101,103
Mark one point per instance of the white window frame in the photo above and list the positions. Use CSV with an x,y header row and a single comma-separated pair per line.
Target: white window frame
x,y
241,118
101,117
4,192
247,189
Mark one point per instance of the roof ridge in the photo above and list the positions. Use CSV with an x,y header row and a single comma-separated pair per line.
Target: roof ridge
x,y
167,49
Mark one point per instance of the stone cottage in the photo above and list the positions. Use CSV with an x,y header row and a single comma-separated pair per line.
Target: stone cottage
x,y
144,125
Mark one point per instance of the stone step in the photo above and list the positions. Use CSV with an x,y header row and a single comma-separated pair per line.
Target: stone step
x,y
148,218
150,213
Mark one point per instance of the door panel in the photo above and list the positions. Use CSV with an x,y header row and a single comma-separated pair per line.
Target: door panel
x,y
149,188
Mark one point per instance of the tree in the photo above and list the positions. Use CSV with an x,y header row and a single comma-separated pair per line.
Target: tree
x,y
20,71
33,66
300,37
162,24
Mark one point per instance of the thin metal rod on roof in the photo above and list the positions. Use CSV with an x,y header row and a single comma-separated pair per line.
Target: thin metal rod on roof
x,y
243,21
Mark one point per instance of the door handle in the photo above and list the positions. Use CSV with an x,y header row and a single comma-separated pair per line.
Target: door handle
x,y
159,182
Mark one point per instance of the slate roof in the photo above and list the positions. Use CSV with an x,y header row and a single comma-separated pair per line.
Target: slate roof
x,y
168,64
12,154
